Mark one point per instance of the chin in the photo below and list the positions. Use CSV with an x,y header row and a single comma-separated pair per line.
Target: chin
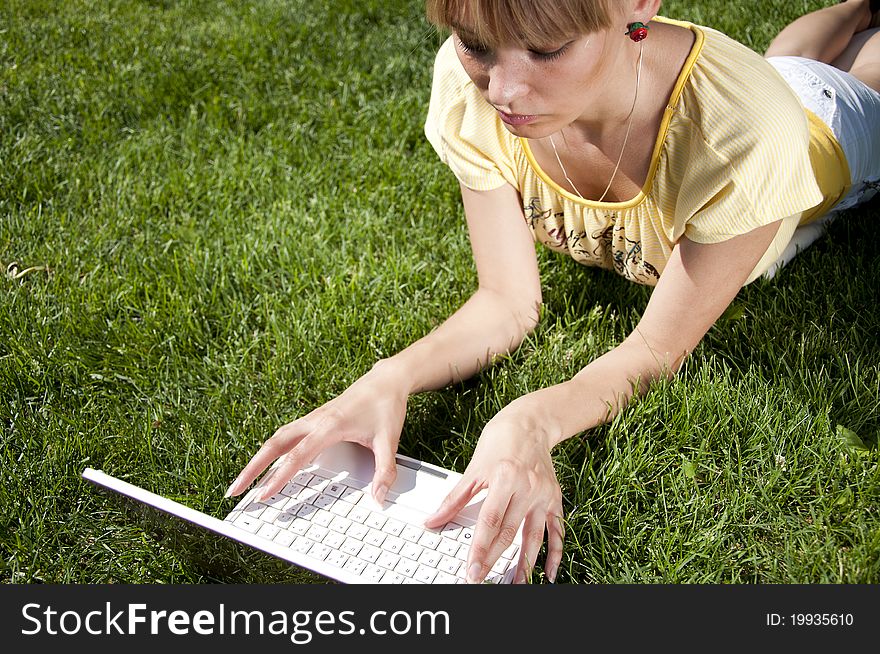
x,y
532,131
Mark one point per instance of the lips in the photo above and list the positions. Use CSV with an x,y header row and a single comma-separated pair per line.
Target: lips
x,y
516,120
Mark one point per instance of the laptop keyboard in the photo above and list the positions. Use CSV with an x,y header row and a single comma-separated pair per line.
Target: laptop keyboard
x,y
338,522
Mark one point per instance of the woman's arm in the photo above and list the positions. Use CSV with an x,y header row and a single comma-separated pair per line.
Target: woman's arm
x,y
494,320
512,458
503,310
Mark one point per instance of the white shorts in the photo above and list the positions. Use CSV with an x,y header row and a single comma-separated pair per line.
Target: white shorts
x,y
850,108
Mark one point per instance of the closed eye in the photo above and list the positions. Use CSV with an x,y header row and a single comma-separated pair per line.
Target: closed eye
x,y
550,56
473,49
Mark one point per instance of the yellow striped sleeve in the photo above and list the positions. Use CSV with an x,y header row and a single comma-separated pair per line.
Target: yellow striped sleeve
x,y
464,129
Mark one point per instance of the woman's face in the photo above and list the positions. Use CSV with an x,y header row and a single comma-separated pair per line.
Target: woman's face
x,y
538,91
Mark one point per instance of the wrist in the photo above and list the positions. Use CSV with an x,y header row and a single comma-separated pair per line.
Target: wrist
x,y
392,373
537,413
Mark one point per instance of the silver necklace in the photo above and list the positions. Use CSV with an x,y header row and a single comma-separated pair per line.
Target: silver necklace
x,y
625,136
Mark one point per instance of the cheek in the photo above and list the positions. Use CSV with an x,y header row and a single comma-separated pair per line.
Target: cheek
x,y
477,72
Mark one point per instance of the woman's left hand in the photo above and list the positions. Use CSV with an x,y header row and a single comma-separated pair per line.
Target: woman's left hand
x,y
512,462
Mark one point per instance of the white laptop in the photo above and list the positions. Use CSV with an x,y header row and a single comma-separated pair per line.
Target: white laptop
x,y
326,521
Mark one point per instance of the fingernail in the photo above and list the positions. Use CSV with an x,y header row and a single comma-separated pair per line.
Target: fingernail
x,y
551,576
379,494
473,576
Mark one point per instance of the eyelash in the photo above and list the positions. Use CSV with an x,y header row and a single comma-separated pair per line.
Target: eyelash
x,y
478,52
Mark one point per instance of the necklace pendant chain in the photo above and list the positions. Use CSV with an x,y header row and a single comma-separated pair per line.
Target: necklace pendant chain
x,y
625,136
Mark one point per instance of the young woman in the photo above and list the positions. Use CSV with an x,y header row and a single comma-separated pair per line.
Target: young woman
x,y
658,149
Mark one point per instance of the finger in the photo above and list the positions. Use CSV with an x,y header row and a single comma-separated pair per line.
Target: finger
x,y
555,539
532,539
294,461
386,468
497,524
454,502
279,443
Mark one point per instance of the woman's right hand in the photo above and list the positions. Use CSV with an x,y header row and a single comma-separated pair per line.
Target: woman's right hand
x,y
370,412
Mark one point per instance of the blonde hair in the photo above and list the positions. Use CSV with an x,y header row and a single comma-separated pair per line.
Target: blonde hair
x,y
523,22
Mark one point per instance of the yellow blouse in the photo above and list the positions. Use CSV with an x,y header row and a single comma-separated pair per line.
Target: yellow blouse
x,y
736,150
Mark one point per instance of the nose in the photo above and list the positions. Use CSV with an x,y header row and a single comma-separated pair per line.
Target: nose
x,y
507,83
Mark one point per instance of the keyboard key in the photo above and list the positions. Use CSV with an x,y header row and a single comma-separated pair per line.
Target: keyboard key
x,y
302,544
392,577
268,530
319,551
299,526
354,565
444,578
467,533
284,538
393,527
425,574
411,551
323,518
335,489
324,501
337,558
511,551
375,537
375,520
352,495
334,540
317,533
393,544
254,509
411,533
351,546
388,560
406,567
448,546
340,524
248,523
358,531
318,482
278,500
500,566
302,478
430,539
359,514
369,553
285,518
451,530
291,489
341,508
430,558
449,565
270,514
306,511
373,573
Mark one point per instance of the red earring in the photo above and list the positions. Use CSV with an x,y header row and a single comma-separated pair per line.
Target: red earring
x,y
637,31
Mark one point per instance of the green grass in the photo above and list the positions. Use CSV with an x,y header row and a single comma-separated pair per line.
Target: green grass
x,y
229,212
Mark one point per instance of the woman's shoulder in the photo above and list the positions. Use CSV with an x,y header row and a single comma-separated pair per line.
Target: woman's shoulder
x,y
737,99
448,71
464,129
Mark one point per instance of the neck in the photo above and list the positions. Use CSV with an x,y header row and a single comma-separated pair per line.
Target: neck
x,y
614,94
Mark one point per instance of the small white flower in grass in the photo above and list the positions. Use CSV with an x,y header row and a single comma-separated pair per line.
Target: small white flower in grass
x,y
780,462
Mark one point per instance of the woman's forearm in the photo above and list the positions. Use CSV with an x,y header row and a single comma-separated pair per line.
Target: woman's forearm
x,y
595,394
485,326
